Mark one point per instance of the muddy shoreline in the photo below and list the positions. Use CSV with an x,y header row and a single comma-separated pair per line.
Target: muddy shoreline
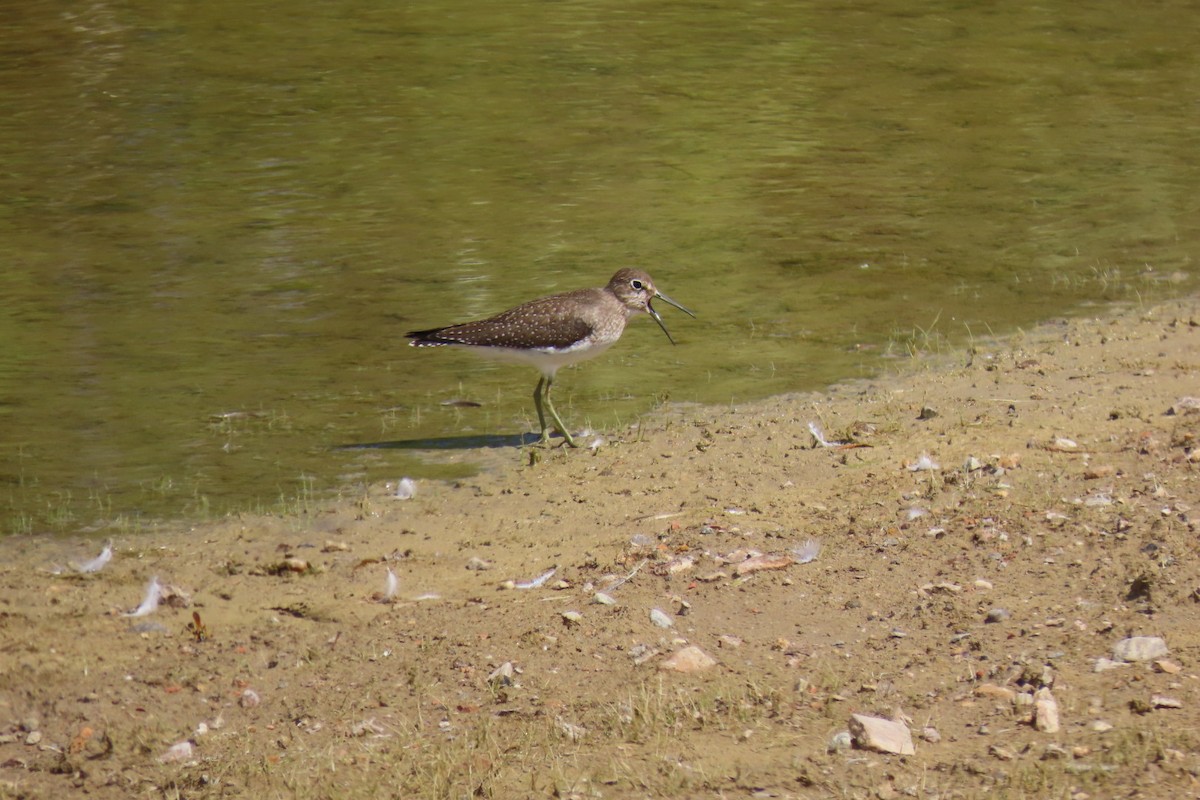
x,y
990,525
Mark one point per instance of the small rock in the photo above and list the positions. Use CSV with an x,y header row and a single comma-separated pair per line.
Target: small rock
x,y
367,727
1102,471
33,738
678,565
997,615
571,731
927,412
180,751
1169,667
1185,405
972,464
1104,664
1156,700
1002,753
249,699
881,735
930,734
502,675
995,692
982,585
725,640
660,619
477,564
603,599
1055,751
1045,711
840,741
1140,648
689,659
571,617
1101,726
1062,444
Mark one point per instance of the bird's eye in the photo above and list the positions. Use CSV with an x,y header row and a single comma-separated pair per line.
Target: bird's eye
x,y
637,284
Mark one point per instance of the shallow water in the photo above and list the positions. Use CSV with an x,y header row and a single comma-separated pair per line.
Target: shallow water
x,y
217,221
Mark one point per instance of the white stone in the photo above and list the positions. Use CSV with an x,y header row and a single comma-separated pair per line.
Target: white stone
x,y
1140,648
1045,711
689,659
660,618
881,735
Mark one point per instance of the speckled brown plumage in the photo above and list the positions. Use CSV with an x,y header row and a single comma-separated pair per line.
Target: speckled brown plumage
x,y
554,331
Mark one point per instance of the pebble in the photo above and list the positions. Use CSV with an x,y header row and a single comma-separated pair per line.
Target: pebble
x,y
881,735
1185,405
689,659
1157,701
680,564
572,617
1140,648
1045,711
180,751
1101,726
604,599
503,675
34,737
661,619
1055,751
997,615
1002,753
840,741
249,699
995,692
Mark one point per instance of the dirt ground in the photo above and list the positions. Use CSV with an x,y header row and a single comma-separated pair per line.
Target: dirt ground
x,y
992,524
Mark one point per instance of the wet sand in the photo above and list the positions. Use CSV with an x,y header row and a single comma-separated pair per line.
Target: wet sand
x,y
990,525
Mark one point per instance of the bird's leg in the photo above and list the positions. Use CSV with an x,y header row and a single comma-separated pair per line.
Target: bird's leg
x,y
537,402
544,397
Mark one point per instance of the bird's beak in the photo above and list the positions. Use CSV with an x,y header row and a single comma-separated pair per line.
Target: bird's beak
x,y
658,319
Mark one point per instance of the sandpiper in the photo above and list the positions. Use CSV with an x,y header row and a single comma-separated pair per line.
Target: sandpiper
x,y
555,331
